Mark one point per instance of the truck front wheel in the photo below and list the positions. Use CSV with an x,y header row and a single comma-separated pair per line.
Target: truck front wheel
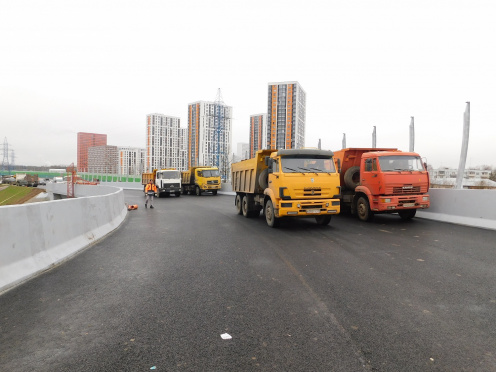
x,y
323,220
214,192
363,209
198,191
270,216
407,214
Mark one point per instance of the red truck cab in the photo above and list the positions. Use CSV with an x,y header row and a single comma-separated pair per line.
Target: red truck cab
x,y
382,180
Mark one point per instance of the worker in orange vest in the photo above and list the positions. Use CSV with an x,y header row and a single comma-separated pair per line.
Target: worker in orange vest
x,y
150,191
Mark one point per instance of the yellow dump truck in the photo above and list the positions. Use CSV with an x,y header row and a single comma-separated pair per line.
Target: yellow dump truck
x,y
201,179
287,183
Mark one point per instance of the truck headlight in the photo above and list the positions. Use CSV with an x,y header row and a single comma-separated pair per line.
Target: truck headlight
x,y
425,198
386,200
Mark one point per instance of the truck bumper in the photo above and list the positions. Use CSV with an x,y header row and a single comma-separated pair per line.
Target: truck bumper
x,y
392,203
211,187
307,208
170,189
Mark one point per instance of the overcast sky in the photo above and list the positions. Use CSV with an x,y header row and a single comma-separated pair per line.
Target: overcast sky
x,y
102,66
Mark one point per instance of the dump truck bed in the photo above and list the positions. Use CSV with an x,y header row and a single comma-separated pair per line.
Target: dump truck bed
x,y
246,174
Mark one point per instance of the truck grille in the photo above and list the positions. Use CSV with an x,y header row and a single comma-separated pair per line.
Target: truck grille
x,y
402,190
171,185
309,191
407,189
214,182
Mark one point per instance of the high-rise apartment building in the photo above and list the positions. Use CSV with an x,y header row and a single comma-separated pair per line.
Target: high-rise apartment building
x,y
102,159
162,142
210,135
131,161
84,142
183,149
243,151
286,116
258,133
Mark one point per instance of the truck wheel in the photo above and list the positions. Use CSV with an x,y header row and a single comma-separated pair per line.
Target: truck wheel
x,y
198,191
363,209
237,202
407,214
270,216
352,177
178,194
246,206
323,220
214,192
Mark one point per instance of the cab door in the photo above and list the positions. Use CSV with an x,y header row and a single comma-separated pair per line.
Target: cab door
x,y
370,176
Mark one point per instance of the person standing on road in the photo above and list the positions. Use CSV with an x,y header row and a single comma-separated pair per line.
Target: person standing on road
x,y
150,191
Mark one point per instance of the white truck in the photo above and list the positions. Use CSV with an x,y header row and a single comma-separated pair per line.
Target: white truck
x,y
168,181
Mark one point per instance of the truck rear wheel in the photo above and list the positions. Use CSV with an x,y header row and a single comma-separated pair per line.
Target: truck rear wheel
x,y
270,216
248,207
198,191
237,202
363,209
323,220
407,214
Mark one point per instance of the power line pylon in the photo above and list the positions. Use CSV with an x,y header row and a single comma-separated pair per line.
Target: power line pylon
x,y
5,161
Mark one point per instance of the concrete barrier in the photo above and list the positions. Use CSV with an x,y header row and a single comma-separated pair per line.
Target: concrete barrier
x,y
463,207
37,236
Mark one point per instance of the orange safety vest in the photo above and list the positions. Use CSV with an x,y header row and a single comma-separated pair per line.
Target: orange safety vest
x,y
151,187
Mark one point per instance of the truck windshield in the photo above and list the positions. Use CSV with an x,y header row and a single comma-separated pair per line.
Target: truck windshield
x,y
209,173
307,165
400,163
167,175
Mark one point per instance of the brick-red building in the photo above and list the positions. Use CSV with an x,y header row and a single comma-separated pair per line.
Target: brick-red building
x,y
85,141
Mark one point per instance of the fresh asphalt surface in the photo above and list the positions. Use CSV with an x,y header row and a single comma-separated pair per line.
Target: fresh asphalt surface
x,y
161,290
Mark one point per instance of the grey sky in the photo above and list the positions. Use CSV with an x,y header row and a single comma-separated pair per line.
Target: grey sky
x,y
102,66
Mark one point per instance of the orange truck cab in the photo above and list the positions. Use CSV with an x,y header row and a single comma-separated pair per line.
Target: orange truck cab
x,y
382,180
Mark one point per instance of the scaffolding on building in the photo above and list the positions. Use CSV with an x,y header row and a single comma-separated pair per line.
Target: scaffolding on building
x,y
219,125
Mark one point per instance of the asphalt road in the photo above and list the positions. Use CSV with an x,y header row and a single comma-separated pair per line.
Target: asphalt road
x,y
162,289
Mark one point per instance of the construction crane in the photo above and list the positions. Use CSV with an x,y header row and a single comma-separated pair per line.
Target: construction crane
x,y
71,180
219,124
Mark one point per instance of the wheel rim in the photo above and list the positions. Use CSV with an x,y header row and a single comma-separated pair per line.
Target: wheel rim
x,y
362,209
238,203
269,213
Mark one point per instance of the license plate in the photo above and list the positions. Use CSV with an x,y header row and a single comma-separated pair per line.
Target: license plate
x,y
313,210
408,205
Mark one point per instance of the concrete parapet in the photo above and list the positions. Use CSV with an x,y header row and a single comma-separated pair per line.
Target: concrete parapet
x,y
38,236
464,207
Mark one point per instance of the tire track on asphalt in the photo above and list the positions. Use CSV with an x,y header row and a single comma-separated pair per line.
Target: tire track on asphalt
x,y
323,309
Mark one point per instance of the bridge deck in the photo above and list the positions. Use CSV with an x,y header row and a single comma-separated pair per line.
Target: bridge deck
x,y
388,295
